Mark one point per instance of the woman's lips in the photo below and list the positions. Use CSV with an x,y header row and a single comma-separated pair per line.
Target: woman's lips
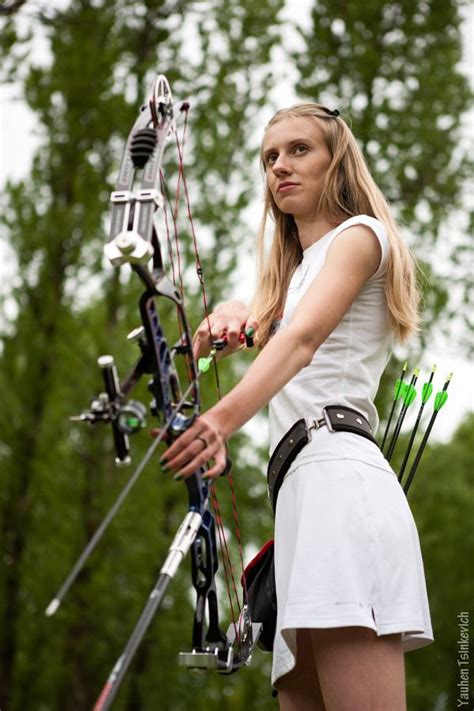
x,y
285,187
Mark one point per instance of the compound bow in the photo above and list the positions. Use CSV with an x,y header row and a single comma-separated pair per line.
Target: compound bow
x,y
134,240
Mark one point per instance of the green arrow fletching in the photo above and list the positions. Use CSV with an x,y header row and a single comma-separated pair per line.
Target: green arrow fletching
x,y
426,391
409,395
399,389
204,364
440,399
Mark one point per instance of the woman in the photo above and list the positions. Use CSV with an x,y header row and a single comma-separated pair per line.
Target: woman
x,y
337,288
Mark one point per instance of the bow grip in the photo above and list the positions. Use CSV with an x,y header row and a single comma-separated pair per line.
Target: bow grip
x,y
112,388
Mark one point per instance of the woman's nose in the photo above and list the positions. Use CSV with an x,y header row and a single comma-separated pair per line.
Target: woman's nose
x,y
281,166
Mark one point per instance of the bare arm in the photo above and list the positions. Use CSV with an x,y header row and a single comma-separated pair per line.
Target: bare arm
x,y
352,258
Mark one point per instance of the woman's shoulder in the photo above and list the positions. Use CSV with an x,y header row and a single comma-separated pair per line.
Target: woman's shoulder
x,y
377,228
375,225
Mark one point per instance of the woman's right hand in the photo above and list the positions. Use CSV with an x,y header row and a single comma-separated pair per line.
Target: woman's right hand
x,y
229,320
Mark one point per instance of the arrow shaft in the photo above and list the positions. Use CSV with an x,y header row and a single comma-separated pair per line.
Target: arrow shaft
x,y
422,446
396,432
419,453
398,391
410,443
392,410
408,399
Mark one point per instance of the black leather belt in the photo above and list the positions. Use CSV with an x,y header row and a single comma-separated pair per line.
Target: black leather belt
x,y
337,418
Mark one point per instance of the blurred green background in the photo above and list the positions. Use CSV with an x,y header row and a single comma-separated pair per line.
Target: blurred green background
x,y
393,71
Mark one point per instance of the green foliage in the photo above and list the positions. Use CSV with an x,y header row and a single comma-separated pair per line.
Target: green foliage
x,y
404,93
441,498
392,69
58,480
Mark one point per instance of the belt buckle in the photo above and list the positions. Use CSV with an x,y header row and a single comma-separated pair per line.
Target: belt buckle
x,y
316,424
328,421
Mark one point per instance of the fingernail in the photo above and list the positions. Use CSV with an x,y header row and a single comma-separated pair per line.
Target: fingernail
x,y
250,331
164,468
178,477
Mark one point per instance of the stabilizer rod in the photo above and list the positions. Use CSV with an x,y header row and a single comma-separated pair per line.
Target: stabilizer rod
x,y
181,544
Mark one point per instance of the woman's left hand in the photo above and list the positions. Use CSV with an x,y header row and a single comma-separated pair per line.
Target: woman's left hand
x,y
200,443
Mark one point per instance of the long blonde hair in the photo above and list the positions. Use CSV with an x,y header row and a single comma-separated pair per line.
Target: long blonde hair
x,y
348,190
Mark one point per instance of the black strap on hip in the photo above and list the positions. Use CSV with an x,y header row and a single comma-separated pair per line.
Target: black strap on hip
x,y
337,418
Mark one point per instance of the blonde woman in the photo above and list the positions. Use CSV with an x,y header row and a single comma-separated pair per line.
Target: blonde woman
x,y
336,289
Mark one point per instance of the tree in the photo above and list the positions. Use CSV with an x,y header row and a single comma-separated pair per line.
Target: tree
x,y
57,489
441,499
58,480
392,68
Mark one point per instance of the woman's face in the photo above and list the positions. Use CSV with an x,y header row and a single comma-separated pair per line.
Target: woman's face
x,y
296,159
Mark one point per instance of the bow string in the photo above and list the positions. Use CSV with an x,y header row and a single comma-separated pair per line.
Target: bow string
x,y
141,193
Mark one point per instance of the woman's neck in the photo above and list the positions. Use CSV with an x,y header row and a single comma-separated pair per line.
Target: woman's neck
x,y
312,231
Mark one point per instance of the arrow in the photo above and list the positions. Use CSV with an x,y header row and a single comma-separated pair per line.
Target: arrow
x,y
218,345
426,391
409,396
440,400
205,363
398,392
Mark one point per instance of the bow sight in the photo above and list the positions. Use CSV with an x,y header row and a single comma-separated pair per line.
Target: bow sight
x,y
125,417
134,240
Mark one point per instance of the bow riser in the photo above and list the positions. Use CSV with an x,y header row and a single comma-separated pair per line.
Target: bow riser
x,y
165,386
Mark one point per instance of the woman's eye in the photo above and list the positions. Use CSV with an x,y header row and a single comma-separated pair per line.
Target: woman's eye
x,y
300,148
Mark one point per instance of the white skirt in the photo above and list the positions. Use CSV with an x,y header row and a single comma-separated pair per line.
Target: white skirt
x,y
347,551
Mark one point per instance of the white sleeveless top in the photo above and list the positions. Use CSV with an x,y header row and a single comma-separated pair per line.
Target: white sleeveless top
x,y
346,368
